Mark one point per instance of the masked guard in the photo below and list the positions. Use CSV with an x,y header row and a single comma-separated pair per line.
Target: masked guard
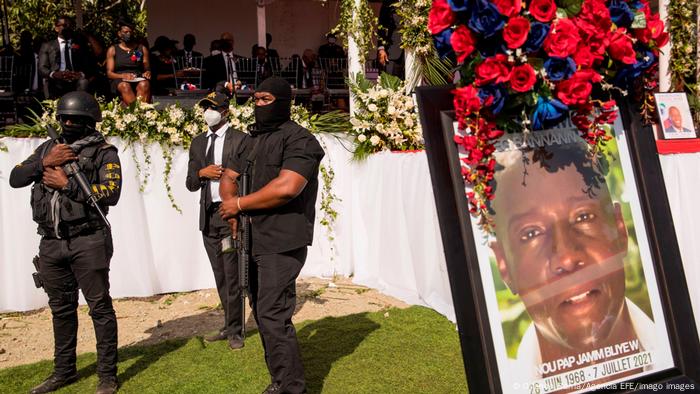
x,y
76,242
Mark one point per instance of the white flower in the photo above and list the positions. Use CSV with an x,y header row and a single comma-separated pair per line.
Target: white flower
x,y
362,138
375,140
383,93
372,108
391,110
408,121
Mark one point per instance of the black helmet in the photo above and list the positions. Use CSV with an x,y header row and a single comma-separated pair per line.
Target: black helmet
x,y
79,103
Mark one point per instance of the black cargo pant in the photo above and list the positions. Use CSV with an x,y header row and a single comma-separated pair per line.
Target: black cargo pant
x,y
273,297
66,265
225,268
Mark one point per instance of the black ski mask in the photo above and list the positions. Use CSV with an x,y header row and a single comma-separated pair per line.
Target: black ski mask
x,y
270,117
78,129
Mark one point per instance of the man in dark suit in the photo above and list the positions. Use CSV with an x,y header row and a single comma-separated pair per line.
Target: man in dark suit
x,y
188,52
63,63
224,66
209,155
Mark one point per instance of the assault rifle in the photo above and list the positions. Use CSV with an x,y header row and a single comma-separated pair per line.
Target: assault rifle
x,y
72,170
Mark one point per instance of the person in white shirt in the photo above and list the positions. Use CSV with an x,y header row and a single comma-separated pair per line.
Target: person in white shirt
x,y
560,244
209,155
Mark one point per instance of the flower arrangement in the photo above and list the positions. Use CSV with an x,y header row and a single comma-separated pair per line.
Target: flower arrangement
x,y
685,68
358,22
527,66
385,119
415,38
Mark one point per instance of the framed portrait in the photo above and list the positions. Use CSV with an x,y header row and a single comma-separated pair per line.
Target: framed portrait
x,y
675,119
571,291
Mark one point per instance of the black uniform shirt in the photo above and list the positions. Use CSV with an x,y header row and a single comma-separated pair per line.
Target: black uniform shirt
x,y
289,226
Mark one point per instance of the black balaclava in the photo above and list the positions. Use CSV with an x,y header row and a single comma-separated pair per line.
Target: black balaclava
x,y
77,130
270,117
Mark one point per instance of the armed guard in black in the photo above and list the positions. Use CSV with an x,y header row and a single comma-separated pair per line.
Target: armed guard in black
x,y
75,177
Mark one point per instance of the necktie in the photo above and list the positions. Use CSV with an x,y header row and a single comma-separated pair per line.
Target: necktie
x,y
66,54
231,72
209,158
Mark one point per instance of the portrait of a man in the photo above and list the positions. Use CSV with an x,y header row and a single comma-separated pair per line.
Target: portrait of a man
x,y
560,246
674,123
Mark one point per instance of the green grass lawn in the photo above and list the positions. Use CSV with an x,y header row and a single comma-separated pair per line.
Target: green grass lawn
x,y
414,350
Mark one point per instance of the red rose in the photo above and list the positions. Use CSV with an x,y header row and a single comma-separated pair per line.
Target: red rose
x,y
508,8
492,70
463,42
621,47
563,40
655,30
515,32
585,58
543,10
597,14
134,58
523,78
440,17
575,90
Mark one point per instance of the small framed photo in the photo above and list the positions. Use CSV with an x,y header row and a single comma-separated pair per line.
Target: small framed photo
x,y
676,121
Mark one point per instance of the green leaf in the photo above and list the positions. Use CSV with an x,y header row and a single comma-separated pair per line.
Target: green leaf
x,y
561,13
639,21
572,7
388,81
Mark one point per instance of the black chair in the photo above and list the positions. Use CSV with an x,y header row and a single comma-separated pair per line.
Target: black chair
x,y
188,70
8,108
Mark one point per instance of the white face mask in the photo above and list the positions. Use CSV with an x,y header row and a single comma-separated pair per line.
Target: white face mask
x,y
212,117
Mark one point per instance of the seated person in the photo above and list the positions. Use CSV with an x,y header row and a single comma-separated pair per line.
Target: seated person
x,y
128,66
63,63
263,67
163,69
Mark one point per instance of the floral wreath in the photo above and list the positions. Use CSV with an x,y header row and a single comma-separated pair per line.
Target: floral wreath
x,y
527,65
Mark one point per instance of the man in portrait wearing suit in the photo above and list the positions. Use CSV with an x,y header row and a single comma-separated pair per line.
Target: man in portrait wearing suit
x,y
63,63
222,66
209,154
675,122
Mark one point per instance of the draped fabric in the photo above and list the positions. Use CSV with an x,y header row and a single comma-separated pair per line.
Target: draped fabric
x,y
386,234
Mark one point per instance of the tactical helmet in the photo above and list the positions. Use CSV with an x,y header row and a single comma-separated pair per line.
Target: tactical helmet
x,y
79,103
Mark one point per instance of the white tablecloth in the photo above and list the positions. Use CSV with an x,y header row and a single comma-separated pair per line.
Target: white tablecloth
x,y
682,177
387,233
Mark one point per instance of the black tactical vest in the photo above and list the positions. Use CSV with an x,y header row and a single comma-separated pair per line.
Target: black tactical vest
x,y
74,217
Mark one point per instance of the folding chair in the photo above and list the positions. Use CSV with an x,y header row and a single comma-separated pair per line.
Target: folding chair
x,y
8,109
246,69
188,71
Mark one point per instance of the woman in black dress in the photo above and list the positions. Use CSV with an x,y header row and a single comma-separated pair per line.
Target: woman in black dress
x,y
128,67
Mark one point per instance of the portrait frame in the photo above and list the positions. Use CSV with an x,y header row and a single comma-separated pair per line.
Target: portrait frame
x,y
674,103
477,338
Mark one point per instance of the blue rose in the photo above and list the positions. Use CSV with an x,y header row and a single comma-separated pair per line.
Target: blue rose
x,y
548,112
485,18
499,95
620,13
645,57
559,68
636,4
458,5
442,43
538,32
